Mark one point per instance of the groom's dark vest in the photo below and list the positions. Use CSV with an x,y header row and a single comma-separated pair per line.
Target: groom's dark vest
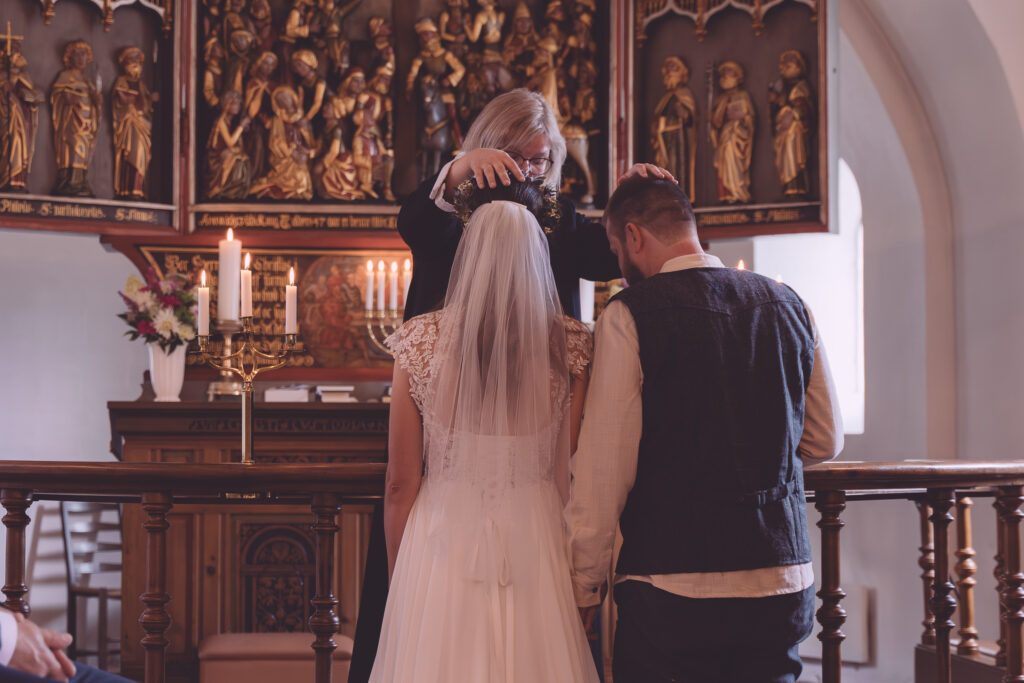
x,y
726,358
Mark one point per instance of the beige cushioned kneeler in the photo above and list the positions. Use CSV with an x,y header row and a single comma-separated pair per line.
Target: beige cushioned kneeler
x,y
267,658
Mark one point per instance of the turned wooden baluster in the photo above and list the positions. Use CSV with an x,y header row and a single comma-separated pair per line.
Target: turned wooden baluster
x,y
155,619
1010,500
324,620
966,568
831,614
16,503
926,562
943,598
1000,575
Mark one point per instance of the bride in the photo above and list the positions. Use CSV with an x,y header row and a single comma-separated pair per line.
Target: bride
x,y
487,398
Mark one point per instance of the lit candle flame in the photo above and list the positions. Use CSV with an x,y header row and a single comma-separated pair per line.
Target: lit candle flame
x,y
407,266
741,265
202,278
369,266
291,275
394,266
231,234
380,266
248,260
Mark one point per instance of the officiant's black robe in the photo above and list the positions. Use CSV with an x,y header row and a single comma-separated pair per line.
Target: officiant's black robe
x,y
579,249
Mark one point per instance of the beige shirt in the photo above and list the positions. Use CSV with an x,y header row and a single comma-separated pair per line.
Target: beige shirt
x,y
605,463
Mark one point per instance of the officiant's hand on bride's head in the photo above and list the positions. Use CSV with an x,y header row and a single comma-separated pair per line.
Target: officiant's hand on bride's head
x,y
490,167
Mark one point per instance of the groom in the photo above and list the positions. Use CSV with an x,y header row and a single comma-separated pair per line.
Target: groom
x,y
710,388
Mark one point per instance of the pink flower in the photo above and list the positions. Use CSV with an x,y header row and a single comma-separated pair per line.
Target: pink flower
x,y
169,300
146,327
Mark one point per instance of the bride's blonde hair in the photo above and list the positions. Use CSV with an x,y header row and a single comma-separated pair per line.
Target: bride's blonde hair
x,y
511,121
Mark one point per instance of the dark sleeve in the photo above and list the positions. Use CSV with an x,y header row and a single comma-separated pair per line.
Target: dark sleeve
x,y
594,258
427,230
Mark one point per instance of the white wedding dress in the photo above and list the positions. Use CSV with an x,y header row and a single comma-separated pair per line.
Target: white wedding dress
x,y
481,591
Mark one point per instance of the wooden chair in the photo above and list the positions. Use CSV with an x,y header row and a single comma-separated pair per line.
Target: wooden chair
x,y
89,541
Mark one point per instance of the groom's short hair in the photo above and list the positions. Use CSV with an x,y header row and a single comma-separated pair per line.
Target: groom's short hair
x,y
657,205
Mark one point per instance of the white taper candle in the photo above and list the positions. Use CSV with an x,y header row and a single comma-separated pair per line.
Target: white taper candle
x,y
204,306
230,263
291,299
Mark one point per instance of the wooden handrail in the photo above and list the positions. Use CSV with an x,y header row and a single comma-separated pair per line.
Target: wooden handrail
x,y
934,485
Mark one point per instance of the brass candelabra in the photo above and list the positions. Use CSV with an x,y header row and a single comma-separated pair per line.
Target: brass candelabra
x,y
245,362
382,324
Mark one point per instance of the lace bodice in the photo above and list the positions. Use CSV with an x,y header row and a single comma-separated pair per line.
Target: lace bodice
x,y
413,345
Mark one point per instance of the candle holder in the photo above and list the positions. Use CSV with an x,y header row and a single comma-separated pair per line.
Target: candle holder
x,y
246,363
227,385
382,324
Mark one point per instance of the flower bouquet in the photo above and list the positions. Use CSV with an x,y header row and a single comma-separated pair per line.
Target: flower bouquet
x,y
160,311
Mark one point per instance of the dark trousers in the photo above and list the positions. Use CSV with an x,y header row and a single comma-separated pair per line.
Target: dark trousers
x,y
372,601
84,674
661,637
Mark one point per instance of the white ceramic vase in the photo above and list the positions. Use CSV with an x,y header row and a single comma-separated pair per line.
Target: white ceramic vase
x,y
167,372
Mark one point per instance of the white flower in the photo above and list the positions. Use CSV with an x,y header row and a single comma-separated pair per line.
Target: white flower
x,y
166,286
165,322
186,332
132,287
146,301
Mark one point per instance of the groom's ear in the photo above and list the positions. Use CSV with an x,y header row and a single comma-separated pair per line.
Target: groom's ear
x,y
634,238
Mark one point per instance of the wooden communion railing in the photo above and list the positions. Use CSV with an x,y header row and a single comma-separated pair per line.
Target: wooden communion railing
x,y
938,489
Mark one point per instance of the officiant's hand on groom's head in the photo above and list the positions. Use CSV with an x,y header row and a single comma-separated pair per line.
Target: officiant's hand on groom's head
x,y
646,171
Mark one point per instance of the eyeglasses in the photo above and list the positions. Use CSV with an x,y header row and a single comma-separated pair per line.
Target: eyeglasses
x,y
537,166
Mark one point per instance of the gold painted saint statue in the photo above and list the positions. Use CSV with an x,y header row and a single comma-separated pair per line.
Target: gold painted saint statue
x,y
228,169
732,134
792,106
133,126
75,110
19,120
673,130
291,146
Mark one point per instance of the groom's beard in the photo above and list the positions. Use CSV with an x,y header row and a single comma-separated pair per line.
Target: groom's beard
x,y
631,273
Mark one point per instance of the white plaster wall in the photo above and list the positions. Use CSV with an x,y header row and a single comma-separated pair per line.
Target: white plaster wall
x,y
63,358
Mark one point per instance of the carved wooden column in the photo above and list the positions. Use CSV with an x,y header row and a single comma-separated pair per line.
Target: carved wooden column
x,y
831,614
926,561
16,520
1010,500
155,619
966,568
943,598
324,620
1000,575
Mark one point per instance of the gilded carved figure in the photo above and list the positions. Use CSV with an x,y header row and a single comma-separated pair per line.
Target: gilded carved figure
x,y
291,147
258,110
732,134
213,74
19,121
440,65
228,168
792,106
336,173
132,109
378,107
75,109
302,22
262,20
310,88
335,42
366,151
453,23
485,28
241,42
519,46
383,49
674,130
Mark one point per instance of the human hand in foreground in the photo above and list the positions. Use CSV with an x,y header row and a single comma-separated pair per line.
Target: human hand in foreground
x,y
488,166
40,651
646,171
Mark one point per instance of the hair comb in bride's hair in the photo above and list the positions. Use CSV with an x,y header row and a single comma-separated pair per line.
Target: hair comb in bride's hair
x,y
540,200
